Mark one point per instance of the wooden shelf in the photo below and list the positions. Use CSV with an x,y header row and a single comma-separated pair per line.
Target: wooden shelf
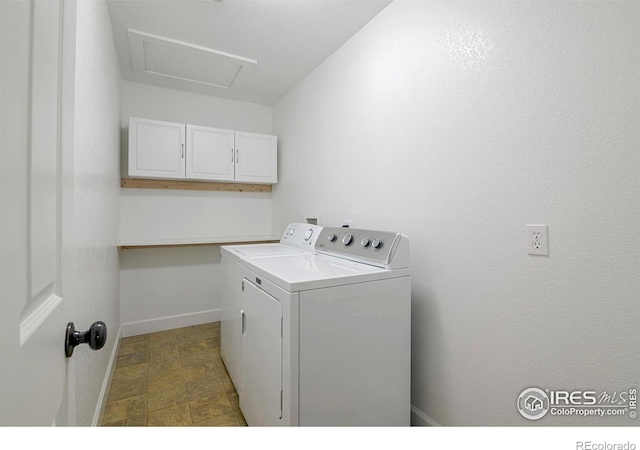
x,y
125,244
186,185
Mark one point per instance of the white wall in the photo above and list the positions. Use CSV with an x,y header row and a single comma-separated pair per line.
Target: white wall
x,y
96,197
457,124
167,288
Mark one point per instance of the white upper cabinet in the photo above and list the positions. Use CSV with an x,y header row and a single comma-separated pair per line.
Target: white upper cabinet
x,y
210,154
256,160
156,149
178,151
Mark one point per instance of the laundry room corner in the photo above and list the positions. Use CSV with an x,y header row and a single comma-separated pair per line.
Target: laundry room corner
x,y
173,286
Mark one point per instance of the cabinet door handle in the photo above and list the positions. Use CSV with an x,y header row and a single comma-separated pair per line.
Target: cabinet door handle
x,y
231,155
237,156
243,323
183,150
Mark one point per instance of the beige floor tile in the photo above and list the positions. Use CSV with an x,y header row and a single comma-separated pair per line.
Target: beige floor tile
x,y
162,339
135,421
131,339
240,418
164,379
210,333
187,332
161,334
227,383
127,388
213,343
199,357
174,416
225,420
167,352
163,367
133,347
172,378
194,346
125,408
130,372
131,359
200,371
208,408
172,395
208,387
217,360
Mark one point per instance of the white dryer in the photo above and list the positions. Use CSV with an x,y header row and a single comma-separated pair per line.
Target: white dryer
x,y
324,336
297,238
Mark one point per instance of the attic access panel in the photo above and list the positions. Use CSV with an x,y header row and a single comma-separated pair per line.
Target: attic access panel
x,y
160,57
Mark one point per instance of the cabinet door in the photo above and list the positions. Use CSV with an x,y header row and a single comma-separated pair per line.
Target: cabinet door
x,y
209,154
256,158
156,149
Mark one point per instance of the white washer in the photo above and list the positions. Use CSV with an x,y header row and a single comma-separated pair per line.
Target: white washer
x,y
297,238
324,337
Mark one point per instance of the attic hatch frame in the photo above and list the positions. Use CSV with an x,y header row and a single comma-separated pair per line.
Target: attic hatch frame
x,y
226,62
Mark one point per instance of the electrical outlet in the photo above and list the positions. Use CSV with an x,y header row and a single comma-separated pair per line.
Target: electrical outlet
x,y
347,223
538,239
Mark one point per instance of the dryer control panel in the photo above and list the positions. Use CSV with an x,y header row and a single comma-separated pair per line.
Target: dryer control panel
x,y
301,235
380,248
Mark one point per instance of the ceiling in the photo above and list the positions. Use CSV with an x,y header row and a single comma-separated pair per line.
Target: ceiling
x,y
249,50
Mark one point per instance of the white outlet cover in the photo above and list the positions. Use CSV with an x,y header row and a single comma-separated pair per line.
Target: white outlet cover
x,y
538,239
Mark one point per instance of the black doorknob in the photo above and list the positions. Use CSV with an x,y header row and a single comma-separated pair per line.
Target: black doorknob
x,y
95,336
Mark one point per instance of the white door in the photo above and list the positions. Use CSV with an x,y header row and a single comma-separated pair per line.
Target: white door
x,y
209,154
36,164
256,158
156,149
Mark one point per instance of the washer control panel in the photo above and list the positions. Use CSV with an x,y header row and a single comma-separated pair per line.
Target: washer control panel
x,y
368,246
301,235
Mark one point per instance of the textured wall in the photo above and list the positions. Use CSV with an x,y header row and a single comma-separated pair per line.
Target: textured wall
x,y
457,124
96,197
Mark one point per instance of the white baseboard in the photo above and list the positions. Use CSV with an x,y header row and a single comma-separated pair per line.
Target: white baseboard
x,y
106,383
420,419
169,323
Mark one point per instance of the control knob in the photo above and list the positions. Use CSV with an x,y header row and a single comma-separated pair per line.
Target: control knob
x,y
365,242
348,239
332,237
376,243
308,234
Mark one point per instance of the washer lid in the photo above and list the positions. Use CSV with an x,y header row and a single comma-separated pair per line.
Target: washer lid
x,y
297,238
262,250
313,271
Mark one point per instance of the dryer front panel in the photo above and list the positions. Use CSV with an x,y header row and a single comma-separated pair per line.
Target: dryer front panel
x,y
260,355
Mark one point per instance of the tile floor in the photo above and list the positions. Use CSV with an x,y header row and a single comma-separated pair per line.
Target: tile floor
x,y
172,378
